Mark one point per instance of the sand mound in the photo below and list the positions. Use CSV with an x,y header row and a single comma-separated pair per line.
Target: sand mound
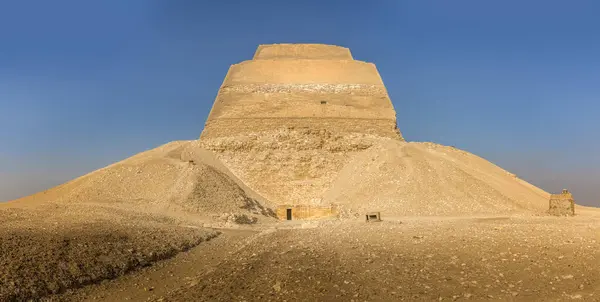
x,y
401,178
176,177
378,174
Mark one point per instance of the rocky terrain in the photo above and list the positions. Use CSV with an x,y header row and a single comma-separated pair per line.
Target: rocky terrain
x,y
498,258
51,248
408,259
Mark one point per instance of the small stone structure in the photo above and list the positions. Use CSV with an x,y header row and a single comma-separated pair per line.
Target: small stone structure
x,y
562,204
297,212
373,217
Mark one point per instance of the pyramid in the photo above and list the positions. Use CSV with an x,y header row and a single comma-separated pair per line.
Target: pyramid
x,y
287,121
304,131
300,131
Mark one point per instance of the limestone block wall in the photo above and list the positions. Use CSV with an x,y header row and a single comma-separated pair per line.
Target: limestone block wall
x,y
245,101
562,204
303,71
244,108
302,51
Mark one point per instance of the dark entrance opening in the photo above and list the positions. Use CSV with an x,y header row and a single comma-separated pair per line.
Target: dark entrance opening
x,y
373,216
289,214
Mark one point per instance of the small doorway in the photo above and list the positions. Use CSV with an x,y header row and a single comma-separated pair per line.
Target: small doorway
x,y
373,216
288,213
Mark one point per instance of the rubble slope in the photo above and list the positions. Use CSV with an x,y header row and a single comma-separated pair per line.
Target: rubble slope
x,y
426,179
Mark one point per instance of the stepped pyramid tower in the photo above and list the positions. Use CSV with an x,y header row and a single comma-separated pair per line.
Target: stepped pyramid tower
x,y
286,121
304,131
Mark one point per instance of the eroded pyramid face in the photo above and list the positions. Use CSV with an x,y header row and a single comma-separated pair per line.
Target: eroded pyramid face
x,y
286,121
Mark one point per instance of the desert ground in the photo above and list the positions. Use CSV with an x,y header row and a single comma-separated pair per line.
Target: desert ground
x,y
143,257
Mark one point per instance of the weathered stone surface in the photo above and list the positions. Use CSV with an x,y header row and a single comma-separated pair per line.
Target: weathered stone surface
x,y
303,71
562,204
304,212
305,51
287,121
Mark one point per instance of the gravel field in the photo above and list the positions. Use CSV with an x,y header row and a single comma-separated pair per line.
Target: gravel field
x,y
502,258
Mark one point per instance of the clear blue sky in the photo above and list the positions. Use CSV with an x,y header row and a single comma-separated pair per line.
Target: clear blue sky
x,y
86,83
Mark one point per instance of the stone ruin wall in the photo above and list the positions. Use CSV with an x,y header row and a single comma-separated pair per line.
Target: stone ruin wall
x,y
339,108
562,204
287,121
303,71
306,212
